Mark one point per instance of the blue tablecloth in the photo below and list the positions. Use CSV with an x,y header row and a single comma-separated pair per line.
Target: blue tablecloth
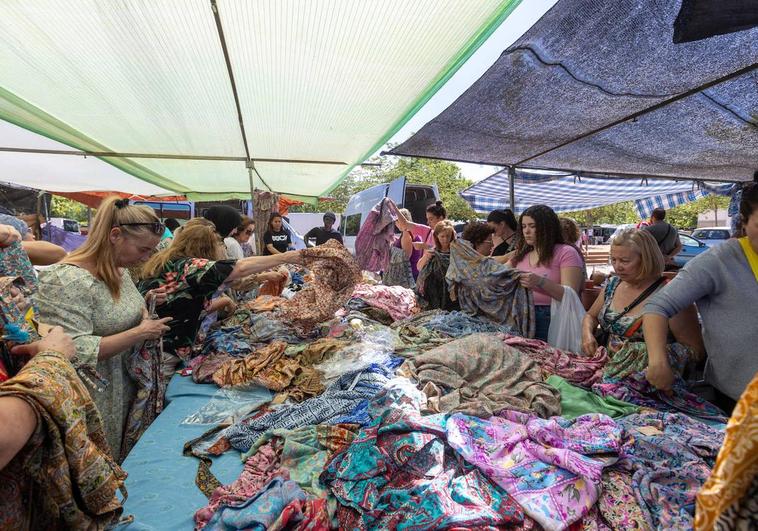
x,y
161,482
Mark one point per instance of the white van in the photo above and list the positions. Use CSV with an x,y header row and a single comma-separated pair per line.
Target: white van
x,y
414,197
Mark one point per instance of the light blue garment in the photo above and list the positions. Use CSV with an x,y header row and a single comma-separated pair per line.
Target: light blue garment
x,y
260,511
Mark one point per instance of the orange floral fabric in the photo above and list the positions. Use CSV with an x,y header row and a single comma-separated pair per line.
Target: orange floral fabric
x,y
736,465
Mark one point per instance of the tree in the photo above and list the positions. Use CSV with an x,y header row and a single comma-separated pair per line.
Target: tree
x,y
686,215
446,175
62,207
616,214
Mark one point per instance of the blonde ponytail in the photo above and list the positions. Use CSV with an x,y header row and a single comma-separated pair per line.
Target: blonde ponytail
x,y
113,212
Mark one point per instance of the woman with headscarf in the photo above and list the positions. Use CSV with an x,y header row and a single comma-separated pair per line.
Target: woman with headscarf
x,y
226,220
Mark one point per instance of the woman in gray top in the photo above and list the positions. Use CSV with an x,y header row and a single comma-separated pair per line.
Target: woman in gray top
x,y
724,285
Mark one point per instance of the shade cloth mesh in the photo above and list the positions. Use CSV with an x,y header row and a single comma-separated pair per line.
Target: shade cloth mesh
x,y
589,63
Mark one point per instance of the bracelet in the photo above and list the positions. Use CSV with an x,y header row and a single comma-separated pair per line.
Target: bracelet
x,y
541,282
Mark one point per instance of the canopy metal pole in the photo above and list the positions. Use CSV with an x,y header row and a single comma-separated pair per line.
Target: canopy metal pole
x,y
512,187
168,156
225,50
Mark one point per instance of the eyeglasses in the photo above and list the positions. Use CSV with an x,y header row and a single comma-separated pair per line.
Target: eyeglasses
x,y
156,227
249,232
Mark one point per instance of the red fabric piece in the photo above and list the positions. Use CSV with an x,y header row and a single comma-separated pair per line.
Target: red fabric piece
x,y
309,515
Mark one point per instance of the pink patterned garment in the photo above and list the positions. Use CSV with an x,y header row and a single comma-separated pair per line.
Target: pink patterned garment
x,y
574,368
397,301
553,468
259,469
372,246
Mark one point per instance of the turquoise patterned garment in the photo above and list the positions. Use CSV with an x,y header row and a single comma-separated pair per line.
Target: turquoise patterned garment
x,y
552,468
401,473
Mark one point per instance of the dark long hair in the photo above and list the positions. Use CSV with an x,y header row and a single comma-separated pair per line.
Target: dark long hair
x,y
224,217
503,216
271,218
437,210
548,234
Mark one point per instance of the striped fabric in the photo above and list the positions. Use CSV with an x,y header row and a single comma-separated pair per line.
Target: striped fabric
x,y
566,193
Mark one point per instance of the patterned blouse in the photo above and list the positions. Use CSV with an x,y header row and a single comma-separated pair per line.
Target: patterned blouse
x,y
190,283
72,298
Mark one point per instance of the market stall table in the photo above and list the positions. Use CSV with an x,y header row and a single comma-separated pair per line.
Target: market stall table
x,y
161,483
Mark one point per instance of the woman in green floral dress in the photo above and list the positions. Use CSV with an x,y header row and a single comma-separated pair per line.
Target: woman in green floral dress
x,y
91,295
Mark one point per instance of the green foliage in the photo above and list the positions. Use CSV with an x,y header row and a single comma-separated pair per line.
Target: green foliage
x,y
616,214
62,207
446,175
685,216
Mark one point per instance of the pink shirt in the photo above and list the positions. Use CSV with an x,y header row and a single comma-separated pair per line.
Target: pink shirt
x,y
563,256
424,232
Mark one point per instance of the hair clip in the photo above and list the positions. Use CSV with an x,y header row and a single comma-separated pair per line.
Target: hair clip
x,y
121,203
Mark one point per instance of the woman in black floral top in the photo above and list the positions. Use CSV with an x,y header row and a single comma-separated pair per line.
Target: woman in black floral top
x,y
192,270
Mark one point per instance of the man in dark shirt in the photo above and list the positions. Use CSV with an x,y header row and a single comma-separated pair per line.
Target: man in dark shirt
x,y
325,233
665,235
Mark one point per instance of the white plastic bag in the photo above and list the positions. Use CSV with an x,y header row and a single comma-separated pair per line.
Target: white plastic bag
x,y
566,317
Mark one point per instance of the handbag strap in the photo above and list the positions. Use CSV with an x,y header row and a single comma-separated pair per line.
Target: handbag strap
x,y
641,297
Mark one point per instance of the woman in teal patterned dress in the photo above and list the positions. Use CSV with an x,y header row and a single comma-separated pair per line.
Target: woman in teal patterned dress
x,y
93,298
638,264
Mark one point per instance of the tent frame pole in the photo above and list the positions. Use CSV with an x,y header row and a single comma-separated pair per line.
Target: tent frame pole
x,y
512,187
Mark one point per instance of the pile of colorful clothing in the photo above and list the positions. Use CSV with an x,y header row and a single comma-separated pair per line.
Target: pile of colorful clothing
x,y
383,417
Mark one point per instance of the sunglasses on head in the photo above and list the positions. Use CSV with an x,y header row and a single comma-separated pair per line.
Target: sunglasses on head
x,y
156,227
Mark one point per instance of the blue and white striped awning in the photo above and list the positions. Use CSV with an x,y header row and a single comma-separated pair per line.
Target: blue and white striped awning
x,y
570,192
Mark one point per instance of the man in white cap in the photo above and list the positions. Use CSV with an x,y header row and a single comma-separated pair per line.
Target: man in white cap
x,y
325,233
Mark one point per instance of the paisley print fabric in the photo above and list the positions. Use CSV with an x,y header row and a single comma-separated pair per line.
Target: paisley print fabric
x,y
486,287
670,457
552,468
400,472
64,477
737,463
335,275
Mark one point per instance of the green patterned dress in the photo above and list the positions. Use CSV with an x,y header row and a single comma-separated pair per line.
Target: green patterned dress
x,y
72,298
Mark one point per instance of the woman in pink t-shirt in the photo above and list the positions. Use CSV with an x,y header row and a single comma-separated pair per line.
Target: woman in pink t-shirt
x,y
547,264
434,214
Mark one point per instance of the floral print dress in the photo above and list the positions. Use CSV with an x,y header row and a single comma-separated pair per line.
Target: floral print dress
x,y
72,298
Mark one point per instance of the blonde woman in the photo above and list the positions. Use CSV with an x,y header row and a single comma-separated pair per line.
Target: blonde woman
x,y
93,298
191,271
638,264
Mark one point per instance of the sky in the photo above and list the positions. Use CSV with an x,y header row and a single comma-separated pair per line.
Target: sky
x,y
523,17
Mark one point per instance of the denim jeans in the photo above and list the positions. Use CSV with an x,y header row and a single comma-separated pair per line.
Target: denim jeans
x,y
542,314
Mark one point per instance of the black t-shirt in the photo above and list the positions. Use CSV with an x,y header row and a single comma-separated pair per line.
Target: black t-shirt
x,y
280,240
504,248
322,235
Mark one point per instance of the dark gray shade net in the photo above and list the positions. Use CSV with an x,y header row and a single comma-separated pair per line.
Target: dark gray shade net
x,y
589,63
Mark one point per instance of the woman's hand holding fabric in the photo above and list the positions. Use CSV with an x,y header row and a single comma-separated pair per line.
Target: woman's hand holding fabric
x,y
160,294
153,328
8,235
56,341
531,280
589,344
660,376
